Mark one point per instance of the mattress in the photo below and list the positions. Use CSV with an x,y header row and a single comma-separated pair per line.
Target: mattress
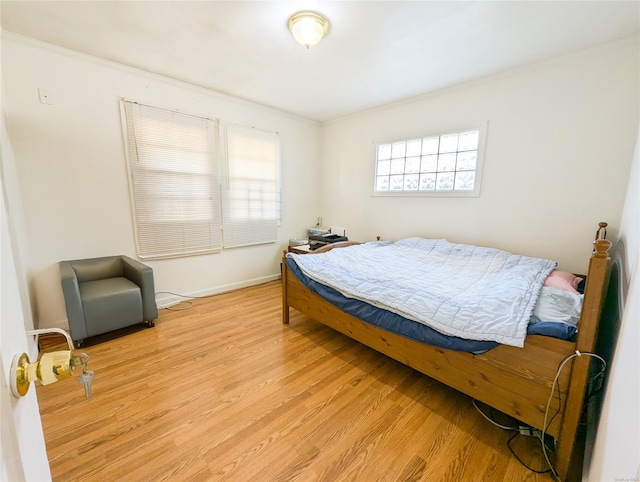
x,y
422,333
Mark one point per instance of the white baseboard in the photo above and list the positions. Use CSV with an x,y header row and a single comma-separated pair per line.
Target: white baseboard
x,y
173,299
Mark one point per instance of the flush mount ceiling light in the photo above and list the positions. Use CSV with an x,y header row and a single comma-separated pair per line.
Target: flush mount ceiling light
x,y
308,28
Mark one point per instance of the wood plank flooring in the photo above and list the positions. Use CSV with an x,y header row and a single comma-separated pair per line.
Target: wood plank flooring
x,y
224,391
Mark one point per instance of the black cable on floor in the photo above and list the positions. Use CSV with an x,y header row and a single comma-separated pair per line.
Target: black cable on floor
x,y
513,452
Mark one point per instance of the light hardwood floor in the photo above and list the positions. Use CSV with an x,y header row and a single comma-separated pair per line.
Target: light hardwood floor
x,y
224,391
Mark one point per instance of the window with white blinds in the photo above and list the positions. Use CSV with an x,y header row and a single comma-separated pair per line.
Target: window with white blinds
x,y
250,189
192,180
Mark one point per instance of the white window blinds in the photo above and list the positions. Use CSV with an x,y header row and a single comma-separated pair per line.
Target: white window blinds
x,y
250,190
197,185
174,182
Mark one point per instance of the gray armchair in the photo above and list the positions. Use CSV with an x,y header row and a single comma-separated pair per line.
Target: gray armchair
x,y
105,294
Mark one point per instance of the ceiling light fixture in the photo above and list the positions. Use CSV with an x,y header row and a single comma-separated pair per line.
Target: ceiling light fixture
x,y
308,28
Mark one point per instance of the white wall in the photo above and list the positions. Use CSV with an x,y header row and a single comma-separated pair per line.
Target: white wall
x,y
616,454
72,171
559,147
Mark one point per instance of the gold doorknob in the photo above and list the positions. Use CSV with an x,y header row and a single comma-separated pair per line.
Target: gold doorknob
x,y
53,366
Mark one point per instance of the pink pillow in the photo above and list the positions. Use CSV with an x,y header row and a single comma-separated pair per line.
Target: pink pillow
x,y
563,280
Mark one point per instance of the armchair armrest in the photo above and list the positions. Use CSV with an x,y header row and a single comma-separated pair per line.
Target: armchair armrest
x,y
71,293
142,275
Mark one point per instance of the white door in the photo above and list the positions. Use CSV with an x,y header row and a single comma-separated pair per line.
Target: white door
x,y
23,454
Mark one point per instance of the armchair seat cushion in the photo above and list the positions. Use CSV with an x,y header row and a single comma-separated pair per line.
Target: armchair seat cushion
x,y
110,304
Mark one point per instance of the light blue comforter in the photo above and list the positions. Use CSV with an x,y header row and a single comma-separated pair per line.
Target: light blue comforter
x,y
460,290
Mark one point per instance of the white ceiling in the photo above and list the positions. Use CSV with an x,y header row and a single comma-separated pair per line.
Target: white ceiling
x,y
376,52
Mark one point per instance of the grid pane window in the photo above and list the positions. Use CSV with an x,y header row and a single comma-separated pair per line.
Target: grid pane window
x,y
430,145
428,182
412,165
414,148
444,163
398,150
411,182
397,166
428,164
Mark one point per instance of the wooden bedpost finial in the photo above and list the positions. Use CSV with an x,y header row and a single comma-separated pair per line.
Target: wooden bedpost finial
x,y
601,232
601,245
601,248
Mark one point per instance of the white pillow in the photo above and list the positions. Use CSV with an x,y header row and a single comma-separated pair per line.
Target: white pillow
x,y
558,305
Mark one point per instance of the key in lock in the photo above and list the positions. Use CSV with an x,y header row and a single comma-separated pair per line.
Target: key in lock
x,y
86,379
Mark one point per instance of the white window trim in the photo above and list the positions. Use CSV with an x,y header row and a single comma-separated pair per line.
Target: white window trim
x,y
483,128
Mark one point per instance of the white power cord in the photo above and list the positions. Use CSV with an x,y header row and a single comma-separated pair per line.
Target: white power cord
x,y
553,388
503,427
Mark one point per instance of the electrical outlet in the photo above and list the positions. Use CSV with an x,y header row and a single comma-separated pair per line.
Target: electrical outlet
x,y
319,223
45,97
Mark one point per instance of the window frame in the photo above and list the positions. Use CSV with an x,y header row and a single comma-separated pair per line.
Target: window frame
x,y
475,192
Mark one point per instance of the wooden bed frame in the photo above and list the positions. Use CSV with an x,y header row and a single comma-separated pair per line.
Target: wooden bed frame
x,y
515,381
